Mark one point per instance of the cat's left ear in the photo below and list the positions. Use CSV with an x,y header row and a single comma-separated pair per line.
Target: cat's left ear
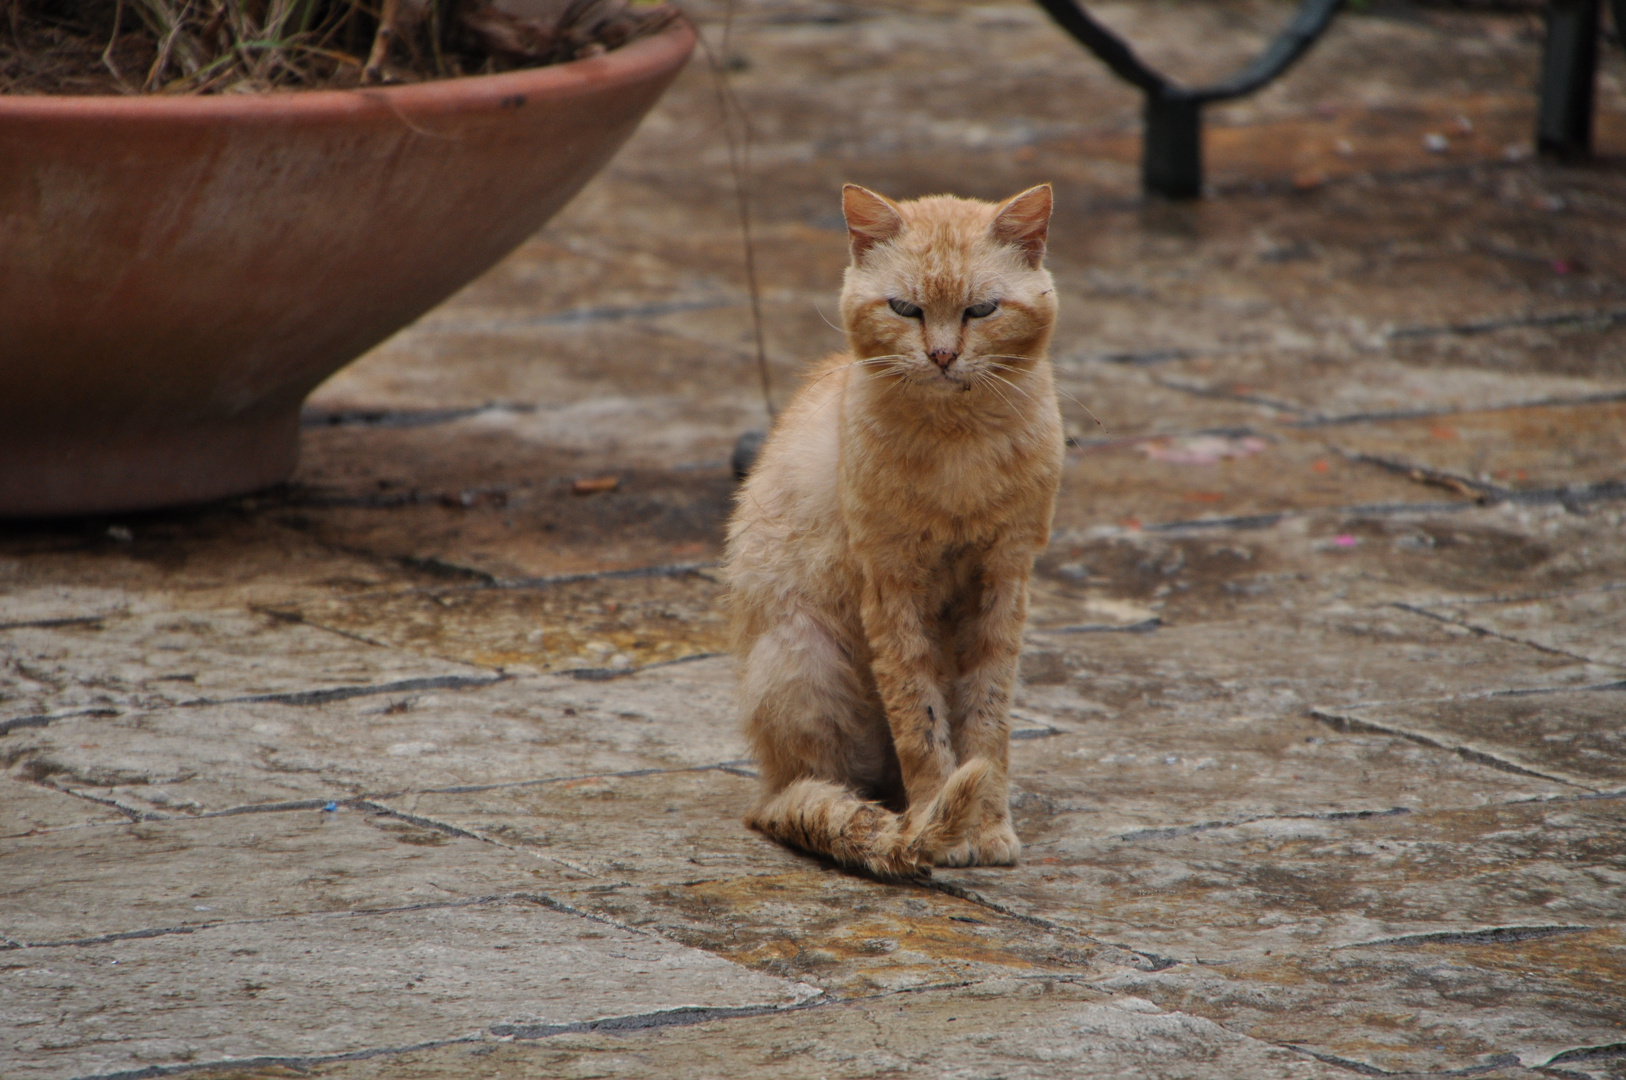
x,y
871,219
1025,222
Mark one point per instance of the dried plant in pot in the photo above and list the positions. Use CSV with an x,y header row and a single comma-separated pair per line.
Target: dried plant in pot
x,y
203,217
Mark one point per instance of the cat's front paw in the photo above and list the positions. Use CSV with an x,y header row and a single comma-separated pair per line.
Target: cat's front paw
x,y
994,844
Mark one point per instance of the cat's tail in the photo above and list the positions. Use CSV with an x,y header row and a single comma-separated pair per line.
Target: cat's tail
x,y
828,819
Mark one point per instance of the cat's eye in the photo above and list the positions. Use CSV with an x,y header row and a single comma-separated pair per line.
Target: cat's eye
x,y
905,308
982,310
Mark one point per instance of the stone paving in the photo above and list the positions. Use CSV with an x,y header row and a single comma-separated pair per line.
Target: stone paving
x,y
424,765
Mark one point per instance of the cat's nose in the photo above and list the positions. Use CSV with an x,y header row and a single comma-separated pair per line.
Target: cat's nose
x,y
942,357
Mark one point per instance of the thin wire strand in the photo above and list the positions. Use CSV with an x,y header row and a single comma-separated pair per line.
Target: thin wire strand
x,y
827,321
739,165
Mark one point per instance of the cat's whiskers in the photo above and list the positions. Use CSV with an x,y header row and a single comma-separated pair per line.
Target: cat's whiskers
x,y
855,363
1014,386
1059,390
994,378
988,379
892,367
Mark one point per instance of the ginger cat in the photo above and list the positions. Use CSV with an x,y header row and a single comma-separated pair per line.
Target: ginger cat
x,y
879,554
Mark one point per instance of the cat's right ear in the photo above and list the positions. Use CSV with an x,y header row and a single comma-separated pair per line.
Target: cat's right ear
x,y
871,218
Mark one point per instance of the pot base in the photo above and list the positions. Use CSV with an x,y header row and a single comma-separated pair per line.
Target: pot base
x,y
79,472
179,271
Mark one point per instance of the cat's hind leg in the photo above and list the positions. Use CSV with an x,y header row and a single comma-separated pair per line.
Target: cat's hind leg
x,y
829,819
822,744
808,713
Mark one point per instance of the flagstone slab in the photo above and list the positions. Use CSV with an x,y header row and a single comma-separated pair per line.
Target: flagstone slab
x,y
1035,1028
606,622
163,659
1192,475
1589,623
190,874
671,854
218,556
1320,385
335,984
1436,559
197,760
31,808
1210,895
1145,772
1289,664
1418,1006
1516,449
1578,737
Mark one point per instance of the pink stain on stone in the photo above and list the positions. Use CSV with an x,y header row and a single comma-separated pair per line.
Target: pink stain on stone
x,y
1344,540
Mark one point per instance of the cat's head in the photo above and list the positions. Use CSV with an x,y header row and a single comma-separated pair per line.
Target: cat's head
x,y
952,292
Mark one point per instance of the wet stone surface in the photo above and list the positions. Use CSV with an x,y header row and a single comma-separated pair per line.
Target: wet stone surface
x,y
425,764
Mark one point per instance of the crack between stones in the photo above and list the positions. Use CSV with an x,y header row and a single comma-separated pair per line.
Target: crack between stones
x,y
1382,416
1170,832
1522,598
548,581
45,719
1116,442
1147,961
1343,723
1309,419
681,1016
130,812
1480,492
297,1062
287,697
539,899
1413,609
1196,390
369,803
344,693
732,767
607,674
1490,935
1265,521
1481,695
1487,326
684,1016
399,418
47,624
1603,1051
215,924
297,618
1498,1061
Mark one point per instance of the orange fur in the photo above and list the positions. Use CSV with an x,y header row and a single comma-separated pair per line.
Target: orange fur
x,y
879,553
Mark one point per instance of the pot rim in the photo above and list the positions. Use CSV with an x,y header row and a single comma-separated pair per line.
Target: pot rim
x,y
643,58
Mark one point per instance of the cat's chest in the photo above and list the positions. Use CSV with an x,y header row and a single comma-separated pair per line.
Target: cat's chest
x,y
956,494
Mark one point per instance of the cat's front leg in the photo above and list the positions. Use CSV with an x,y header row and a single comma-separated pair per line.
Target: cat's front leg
x,y
904,662
988,648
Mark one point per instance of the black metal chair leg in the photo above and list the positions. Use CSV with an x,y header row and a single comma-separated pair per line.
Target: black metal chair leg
x,y
1569,65
1172,153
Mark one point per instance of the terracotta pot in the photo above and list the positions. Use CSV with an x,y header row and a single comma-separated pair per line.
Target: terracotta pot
x,y
176,274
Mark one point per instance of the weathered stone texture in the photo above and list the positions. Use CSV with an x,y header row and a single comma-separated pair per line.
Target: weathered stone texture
x,y
426,764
